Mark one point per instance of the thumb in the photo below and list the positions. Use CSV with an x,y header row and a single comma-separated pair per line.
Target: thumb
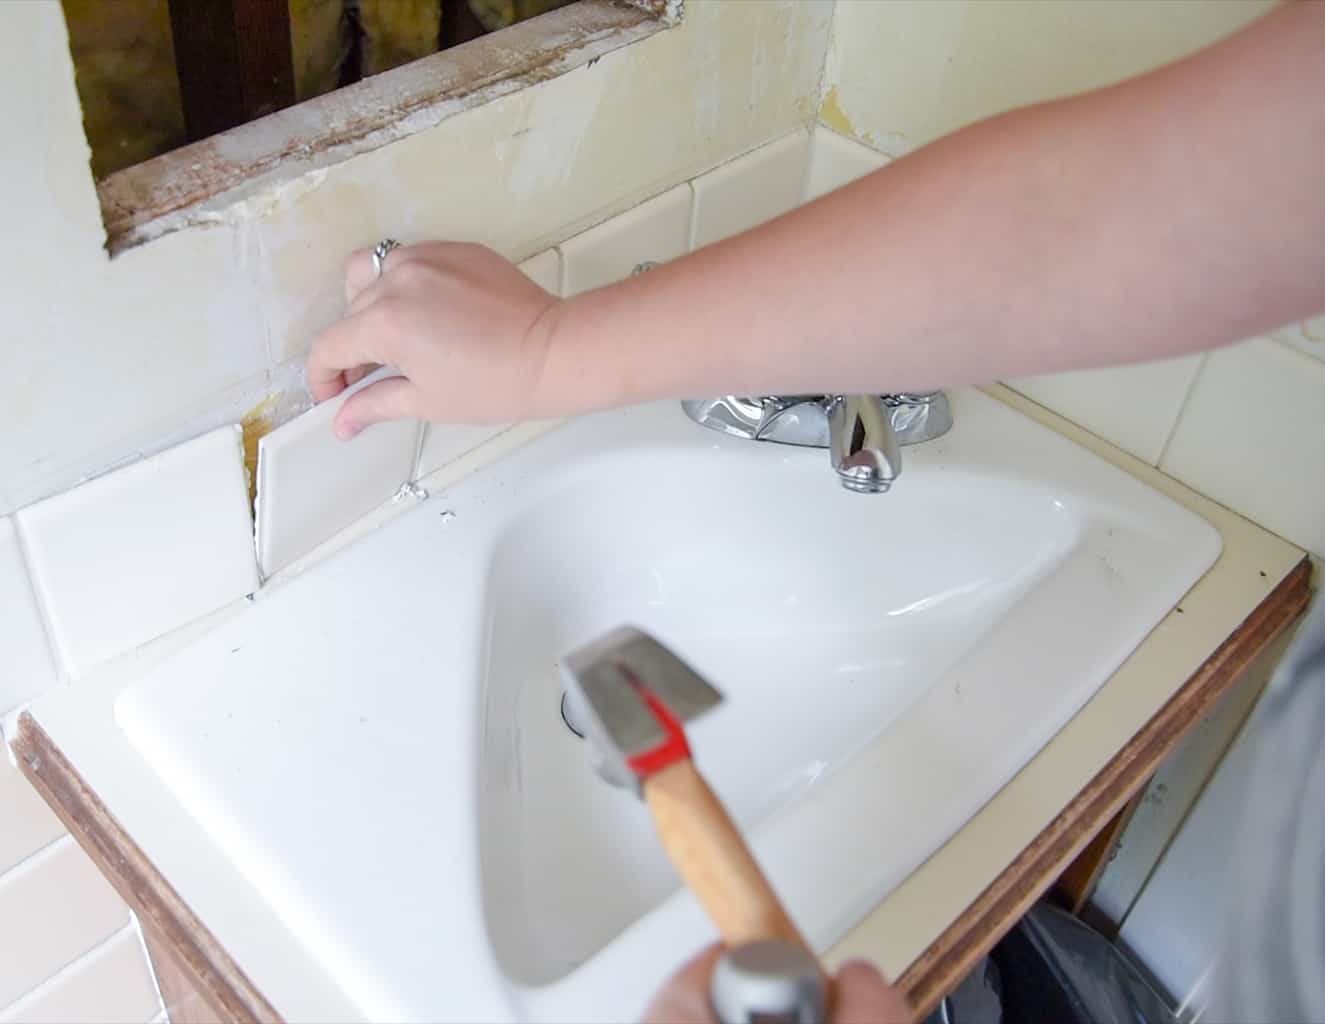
x,y
393,398
863,997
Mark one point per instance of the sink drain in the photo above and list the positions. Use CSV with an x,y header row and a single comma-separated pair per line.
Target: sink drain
x,y
569,716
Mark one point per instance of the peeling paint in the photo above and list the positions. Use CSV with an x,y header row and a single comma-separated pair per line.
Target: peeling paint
x,y
832,114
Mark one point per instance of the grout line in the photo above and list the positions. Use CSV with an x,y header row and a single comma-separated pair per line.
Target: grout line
x,y
63,974
420,435
1182,409
693,224
62,674
37,857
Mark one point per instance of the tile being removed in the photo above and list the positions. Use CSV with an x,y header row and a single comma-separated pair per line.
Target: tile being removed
x,y
311,485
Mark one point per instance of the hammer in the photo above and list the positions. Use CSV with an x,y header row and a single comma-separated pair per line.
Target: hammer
x,y
633,696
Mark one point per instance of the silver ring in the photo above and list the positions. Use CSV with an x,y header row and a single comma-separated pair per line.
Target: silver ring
x,y
380,250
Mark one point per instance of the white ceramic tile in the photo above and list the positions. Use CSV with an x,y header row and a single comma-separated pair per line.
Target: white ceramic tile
x,y
1308,336
26,823
658,229
54,907
544,270
1133,407
26,668
133,554
312,485
836,160
1252,436
110,985
445,442
750,189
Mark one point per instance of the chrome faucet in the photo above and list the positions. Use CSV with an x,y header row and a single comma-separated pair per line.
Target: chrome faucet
x,y
863,433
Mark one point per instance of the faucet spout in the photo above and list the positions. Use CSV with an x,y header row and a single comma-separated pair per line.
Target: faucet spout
x,y
863,446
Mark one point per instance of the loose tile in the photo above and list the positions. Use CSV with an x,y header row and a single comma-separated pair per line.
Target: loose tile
x,y
110,985
124,558
657,230
836,160
1252,437
1133,407
311,485
54,907
750,189
27,668
26,823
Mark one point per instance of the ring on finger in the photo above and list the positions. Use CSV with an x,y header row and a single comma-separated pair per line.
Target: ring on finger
x,y
379,253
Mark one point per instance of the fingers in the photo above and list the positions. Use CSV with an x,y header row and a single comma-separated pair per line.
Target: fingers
x,y
391,399
347,345
685,997
361,271
358,373
863,997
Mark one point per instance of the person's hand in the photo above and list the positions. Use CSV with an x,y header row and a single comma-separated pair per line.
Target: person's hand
x,y
461,325
860,995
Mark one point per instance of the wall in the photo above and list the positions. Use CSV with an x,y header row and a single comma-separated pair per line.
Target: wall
x,y
111,359
193,329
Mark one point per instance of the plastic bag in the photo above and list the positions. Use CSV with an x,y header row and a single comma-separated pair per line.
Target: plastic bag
x,y
1055,968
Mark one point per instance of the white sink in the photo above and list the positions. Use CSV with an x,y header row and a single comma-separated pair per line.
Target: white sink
x,y
378,743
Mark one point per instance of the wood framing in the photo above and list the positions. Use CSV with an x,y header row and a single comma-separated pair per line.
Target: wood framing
x,y
232,59
201,973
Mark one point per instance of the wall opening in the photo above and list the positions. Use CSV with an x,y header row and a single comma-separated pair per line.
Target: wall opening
x,y
193,105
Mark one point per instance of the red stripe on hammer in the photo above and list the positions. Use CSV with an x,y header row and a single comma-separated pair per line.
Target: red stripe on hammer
x,y
673,747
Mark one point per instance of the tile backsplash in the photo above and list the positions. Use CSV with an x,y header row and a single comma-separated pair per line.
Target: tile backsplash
x,y
110,984
311,485
750,189
143,550
61,906
836,160
1134,407
28,823
1252,436
657,230
27,667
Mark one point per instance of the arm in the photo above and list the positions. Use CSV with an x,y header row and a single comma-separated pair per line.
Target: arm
x,y
1173,212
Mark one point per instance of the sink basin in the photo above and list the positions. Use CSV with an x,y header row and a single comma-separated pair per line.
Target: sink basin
x,y
379,744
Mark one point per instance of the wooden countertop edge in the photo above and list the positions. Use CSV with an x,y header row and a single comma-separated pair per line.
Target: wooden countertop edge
x,y
977,930
164,916
229,993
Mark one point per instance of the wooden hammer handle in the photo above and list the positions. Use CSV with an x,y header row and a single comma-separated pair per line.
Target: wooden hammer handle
x,y
711,856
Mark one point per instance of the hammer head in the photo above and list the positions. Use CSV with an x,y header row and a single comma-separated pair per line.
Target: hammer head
x,y
634,696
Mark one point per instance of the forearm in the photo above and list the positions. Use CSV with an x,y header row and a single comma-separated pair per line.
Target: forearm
x,y
1176,211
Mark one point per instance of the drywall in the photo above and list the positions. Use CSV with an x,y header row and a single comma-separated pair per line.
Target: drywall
x,y
108,359
902,73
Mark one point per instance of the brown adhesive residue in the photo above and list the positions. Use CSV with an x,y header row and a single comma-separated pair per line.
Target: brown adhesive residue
x,y
832,114
256,424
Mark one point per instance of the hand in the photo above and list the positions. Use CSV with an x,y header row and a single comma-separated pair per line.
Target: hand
x,y
860,995
467,331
